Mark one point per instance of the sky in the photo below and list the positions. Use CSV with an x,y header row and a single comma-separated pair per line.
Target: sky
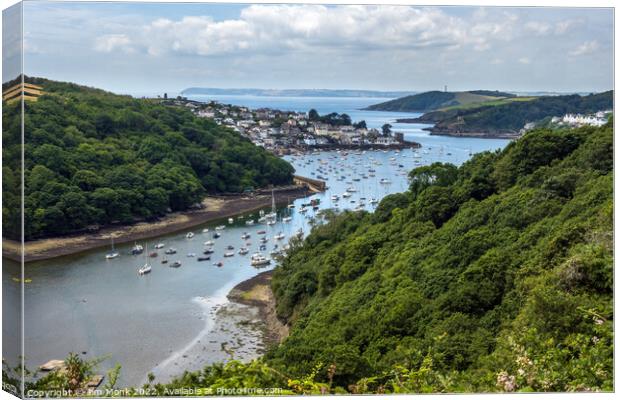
x,y
149,48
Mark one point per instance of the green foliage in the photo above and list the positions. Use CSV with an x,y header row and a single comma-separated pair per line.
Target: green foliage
x,y
435,100
334,119
216,379
436,174
482,278
93,158
71,380
418,102
460,283
511,116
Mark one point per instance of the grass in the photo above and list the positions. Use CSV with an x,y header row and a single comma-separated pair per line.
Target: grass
x,y
494,102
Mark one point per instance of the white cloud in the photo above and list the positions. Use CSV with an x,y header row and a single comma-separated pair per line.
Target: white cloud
x,y
282,28
585,49
286,29
538,28
564,26
112,42
525,60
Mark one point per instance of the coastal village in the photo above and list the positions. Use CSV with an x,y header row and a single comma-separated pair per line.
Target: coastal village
x,y
599,118
286,132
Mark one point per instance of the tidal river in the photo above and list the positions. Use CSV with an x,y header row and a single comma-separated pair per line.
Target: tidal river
x,y
175,319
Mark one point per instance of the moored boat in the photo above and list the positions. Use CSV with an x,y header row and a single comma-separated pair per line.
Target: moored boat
x,y
146,268
259,260
137,249
113,253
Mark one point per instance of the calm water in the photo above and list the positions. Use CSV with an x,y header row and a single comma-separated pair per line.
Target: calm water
x,y
165,322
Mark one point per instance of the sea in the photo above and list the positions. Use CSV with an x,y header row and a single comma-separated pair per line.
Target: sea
x,y
177,319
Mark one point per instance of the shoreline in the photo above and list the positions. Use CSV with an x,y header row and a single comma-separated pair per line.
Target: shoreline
x,y
434,131
215,208
477,135
256,292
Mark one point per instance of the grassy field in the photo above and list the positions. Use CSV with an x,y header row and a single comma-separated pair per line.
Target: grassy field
x,y
467,103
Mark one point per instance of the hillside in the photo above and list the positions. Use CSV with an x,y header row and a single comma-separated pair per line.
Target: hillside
x,y
435,100
493,276
95,158
508,118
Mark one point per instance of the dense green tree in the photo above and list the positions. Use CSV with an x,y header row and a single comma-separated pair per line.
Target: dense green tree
x,y
361,125
313,115
436,174
386,129
494,276
122,159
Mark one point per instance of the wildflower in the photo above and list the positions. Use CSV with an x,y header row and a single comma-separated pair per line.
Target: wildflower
x,y
506,382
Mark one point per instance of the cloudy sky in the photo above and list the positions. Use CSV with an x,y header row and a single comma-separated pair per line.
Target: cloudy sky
x,y
145,48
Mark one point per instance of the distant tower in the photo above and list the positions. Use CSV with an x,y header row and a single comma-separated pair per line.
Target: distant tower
x,y
165,95
445,88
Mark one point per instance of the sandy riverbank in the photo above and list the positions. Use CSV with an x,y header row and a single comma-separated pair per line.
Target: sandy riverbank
x,y
257,292
214,208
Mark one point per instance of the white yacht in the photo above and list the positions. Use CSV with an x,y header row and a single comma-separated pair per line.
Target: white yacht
x,y
146,268
259,260
113,253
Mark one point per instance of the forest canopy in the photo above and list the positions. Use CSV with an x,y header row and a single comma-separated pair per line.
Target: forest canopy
x,y
95,158
496,275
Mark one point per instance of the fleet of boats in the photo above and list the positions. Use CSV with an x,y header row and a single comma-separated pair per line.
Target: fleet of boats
x,y
357,180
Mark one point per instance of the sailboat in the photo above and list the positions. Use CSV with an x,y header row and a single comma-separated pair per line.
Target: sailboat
x,y
137,249
146,268
272,216
112,254
288,217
